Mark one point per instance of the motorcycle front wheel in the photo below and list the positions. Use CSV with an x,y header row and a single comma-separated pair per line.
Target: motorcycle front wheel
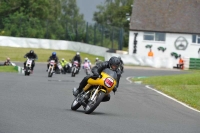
x,y
92,105
50,72
73,71
75,104
27,72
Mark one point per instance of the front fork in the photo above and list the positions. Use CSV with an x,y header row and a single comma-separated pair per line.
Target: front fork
x,y
94,96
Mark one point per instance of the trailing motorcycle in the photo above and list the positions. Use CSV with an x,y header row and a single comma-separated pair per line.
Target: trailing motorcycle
x,y
94,92
27,69
51,68
75,68
87,68
68,67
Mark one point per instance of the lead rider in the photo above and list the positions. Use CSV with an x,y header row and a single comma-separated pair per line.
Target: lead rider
x,y
31,55
112,64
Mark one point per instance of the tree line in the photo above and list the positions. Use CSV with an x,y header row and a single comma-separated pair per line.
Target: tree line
x,y
61,19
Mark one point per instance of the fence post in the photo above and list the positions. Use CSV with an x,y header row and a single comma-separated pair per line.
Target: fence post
x,y
102,33
86,40
76,31
119,40
47,23
122,38
112,37
95,34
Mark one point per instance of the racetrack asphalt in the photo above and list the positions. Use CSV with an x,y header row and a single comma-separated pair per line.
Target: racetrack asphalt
x,y
39,104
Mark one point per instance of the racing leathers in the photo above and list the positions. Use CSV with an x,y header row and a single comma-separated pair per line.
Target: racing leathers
x,y
77,58
96,70
55,58
30,56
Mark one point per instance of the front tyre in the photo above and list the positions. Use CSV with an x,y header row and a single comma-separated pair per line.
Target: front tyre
x,y
92,105
73,71
50,72
75,104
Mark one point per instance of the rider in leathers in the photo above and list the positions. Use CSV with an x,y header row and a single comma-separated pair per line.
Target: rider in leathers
x,y
77,57
30,55
53,57
112,64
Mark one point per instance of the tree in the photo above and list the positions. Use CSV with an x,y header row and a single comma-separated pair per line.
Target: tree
x,y
38,18
113,13
72,20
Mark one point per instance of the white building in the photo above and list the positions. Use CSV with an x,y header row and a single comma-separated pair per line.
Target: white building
x,y
171,24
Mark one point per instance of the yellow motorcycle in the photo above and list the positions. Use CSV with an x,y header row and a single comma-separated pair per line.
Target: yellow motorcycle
x,y
94,92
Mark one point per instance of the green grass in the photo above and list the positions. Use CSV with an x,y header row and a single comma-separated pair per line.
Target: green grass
x,y
184,87
17,54
8,69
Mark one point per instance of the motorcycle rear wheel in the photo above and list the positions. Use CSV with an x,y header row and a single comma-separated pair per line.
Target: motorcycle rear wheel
x,y
91,106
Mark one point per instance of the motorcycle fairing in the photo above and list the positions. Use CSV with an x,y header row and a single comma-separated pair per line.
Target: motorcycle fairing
x,y
101,82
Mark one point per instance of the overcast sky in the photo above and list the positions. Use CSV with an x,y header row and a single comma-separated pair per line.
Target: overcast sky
x,y
88,7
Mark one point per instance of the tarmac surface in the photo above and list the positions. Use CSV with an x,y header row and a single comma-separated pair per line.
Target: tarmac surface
x,y
39,104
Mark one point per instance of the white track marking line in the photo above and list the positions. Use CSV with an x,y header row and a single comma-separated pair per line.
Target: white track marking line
x,y
185,105
128,79
147,86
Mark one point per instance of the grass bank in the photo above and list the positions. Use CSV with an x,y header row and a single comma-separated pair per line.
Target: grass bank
x,y
184,87
17,54
8,69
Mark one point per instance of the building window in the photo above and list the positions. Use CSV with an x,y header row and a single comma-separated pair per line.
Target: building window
x,y
196,39
154,36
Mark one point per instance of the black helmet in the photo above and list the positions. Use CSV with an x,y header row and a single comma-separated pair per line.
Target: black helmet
x,y
114,63
31,52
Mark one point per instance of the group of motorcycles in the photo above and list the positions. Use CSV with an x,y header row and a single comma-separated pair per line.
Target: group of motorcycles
x,y
57,68
54,67
95,90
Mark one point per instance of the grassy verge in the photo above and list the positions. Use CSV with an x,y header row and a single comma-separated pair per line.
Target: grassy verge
x,y
17,54
8,69
185,87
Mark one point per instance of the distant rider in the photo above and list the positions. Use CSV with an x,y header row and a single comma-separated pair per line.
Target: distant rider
x,y
69,65
112,64
63,62
77,57
87,63
31,55
53,57
97,60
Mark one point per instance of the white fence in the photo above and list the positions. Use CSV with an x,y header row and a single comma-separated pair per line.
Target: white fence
x,y
87,48
52,44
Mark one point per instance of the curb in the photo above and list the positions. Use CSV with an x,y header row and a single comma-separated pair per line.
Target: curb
x,y
19,69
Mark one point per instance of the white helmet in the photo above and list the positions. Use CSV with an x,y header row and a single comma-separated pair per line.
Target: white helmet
x,y
77,53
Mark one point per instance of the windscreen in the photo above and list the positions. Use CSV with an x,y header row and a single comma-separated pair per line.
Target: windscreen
x,y
111,73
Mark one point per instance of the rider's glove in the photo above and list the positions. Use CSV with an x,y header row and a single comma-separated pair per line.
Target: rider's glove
x,y
96,74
